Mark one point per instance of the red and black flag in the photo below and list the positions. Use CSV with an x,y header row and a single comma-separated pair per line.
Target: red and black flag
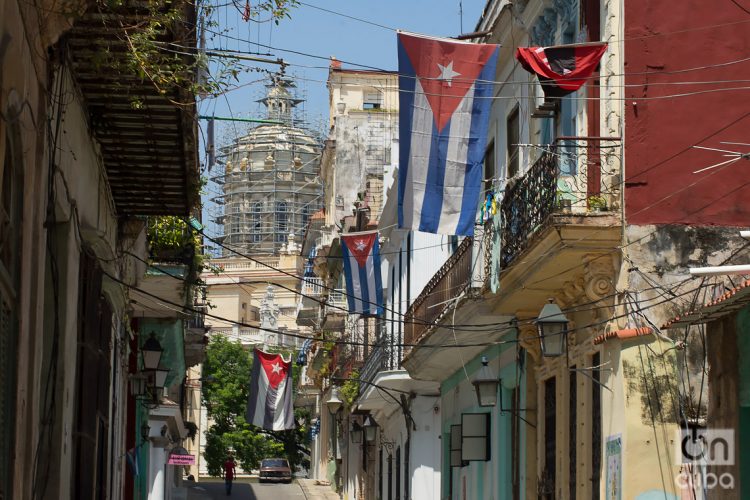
x,y
561,69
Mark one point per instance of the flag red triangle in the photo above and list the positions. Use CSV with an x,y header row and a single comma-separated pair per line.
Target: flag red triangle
x,y
360,246
274,366
446,70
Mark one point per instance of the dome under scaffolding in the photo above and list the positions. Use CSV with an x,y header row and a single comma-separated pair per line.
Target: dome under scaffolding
x,y
269,180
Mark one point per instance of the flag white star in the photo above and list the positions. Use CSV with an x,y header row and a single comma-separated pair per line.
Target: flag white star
x,y
447,73
276,368
360,244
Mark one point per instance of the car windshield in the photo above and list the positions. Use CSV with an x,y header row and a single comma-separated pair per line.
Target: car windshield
x,y
274,462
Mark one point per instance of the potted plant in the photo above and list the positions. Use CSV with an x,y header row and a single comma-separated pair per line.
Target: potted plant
x,y
563,203
597,203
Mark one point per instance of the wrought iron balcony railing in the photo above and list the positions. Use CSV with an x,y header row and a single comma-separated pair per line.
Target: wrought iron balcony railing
x,y
527,206
382,357
450,280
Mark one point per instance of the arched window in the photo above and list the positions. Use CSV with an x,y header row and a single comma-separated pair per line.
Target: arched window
x,y
257,230
306,209
282,221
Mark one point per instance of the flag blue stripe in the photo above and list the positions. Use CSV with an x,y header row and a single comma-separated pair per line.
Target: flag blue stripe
x,y
406,84
432,204
477,144
378,278
348,276
363,281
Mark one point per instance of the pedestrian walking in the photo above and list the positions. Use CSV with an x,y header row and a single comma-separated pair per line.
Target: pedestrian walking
x,y
229,473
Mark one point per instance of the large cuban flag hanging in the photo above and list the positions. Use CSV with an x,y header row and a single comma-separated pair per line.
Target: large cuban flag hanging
x,y
445,93
270,403
364,285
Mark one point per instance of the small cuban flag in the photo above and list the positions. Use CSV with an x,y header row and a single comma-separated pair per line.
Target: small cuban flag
x,y
445,96
364,285
269,405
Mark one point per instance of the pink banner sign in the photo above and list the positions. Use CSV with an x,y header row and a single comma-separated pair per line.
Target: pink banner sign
x,y
181,460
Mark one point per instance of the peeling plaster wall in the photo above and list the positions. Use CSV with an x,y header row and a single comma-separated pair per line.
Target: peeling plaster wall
x,y
364,147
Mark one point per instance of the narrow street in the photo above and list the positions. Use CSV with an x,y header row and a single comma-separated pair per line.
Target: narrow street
x,y
214,490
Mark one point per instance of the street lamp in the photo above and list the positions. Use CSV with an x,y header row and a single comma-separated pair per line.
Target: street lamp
x,y
553,329
371,428
356,432
334,403
151,352
160,378
138,384
486,384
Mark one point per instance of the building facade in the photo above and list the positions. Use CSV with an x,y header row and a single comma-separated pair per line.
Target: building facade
x,y
81,170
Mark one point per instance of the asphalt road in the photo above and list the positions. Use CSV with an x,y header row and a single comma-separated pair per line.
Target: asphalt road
x,y
244,491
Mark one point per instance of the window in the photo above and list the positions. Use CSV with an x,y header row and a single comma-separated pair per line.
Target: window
x,y
305,215
390,477
566,125
596,428
398,473
373,100
572,428
512,138
380,473
257,231
282,222
11,191
547,486
516,443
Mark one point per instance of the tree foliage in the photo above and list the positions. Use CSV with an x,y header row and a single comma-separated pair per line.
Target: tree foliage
x,y
226,376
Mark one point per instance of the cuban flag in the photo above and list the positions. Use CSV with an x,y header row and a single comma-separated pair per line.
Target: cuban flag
x,y
364,285
270,403
445,95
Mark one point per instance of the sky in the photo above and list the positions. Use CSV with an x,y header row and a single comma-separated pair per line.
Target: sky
x,y
324,34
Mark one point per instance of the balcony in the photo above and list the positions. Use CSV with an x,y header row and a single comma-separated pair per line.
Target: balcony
x,y
382,357
456,292
448,283
149,150
246,336
335,311
566,185
561,227
312,286
308,309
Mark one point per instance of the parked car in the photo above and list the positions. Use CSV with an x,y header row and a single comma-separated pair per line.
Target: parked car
x,y
275,469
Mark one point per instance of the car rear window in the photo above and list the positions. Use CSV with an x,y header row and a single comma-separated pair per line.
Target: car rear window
x,y
274,462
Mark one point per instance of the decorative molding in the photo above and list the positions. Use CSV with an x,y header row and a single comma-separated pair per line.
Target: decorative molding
x,y
528,338
567,10
544,29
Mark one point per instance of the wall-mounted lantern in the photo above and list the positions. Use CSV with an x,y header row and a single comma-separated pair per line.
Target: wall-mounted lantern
x,y
356,432
151,352
486,383
553,329
371,428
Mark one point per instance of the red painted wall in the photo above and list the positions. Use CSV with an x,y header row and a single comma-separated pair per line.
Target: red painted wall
x,y
660,186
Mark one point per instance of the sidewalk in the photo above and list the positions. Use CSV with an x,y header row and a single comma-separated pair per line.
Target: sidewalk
x,y
314,491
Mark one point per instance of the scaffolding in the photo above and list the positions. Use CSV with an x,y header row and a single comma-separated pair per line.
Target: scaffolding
x,y
269,183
